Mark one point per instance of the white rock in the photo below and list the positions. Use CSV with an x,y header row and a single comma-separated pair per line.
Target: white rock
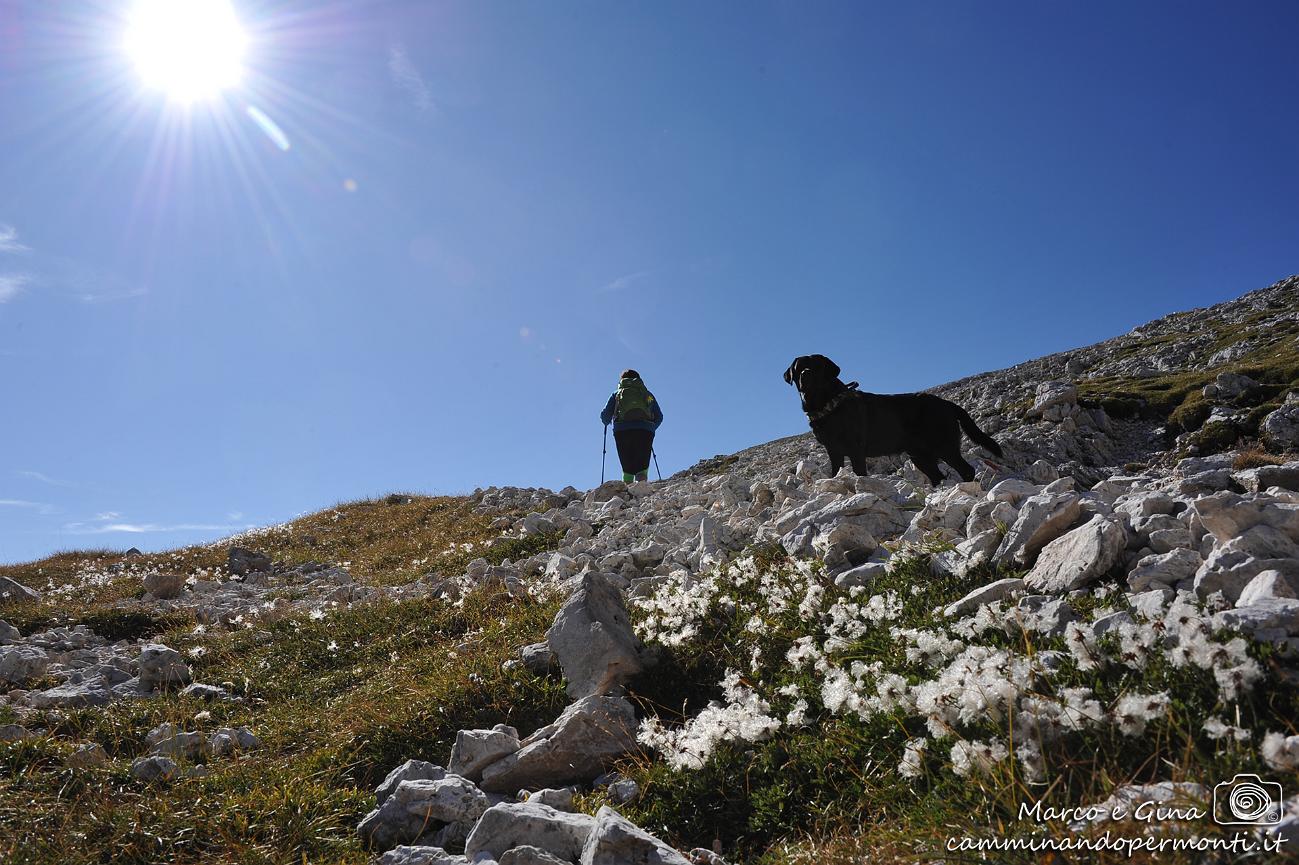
x,y
161,666
1082,556
420,806
154,768
1269,614
19,664
228,740
70,696
984,595
411,770
512,824
474,750
12,591
405,855
87,756
1168,568
593,640
1280,429
1266,585
1226,515
1042,518
526,854
561,798
576,748
1233,564
1013,491
617,841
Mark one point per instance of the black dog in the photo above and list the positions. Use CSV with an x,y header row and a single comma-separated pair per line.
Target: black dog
x,y
858,425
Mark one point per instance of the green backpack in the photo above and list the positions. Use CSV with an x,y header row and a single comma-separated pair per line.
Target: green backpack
x,y
633,402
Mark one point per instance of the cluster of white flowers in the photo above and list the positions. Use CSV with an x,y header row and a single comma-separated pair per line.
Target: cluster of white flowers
x,y
944,675
977,757
742,717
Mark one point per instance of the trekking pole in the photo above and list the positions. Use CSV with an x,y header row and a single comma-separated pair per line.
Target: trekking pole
x,y
604,450
656,464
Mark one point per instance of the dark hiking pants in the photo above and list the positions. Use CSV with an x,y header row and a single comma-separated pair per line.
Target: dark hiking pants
x,y
634,447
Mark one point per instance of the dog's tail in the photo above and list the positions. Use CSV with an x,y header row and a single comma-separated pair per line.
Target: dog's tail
x,y
977,435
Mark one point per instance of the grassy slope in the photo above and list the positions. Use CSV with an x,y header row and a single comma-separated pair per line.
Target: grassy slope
x,y
406,676
403,679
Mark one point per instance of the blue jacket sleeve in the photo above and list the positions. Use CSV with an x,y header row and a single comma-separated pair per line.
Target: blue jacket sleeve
x,y
658,413
607,415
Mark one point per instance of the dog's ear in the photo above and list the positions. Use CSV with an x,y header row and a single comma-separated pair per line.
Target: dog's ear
x,y
831,368
789,373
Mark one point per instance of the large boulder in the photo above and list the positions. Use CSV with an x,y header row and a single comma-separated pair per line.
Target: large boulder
x,y
577,747
1042,518
1080,557
615,840
19,664
513,824
593,640
12,591
422,806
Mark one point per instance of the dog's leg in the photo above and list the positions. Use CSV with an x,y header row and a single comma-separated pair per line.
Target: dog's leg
x,y
836,462
859,465
929,465
956,461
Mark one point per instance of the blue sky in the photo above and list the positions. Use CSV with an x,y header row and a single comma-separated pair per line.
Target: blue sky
x,y
486,210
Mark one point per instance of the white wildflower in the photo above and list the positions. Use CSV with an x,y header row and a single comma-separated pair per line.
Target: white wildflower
x,y
1134,711
1280,752
1216,728
978,757
912,764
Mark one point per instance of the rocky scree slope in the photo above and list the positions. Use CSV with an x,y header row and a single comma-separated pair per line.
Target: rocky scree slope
x,y
1098,583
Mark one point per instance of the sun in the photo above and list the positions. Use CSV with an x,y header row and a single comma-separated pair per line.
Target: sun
x,y
189,49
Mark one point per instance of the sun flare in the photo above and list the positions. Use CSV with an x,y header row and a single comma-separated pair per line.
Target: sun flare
x,y
189,49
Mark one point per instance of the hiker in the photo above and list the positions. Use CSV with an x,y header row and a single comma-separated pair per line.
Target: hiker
x,y
635,415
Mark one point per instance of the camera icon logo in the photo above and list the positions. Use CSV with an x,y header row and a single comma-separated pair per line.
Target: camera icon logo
x,y
1247,800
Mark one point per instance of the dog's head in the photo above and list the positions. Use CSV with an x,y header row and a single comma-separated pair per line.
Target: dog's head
x,y
812,374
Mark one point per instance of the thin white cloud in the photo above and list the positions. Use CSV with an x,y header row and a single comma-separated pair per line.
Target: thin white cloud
x,y
39,507
144,528
9,239
107,516
11,285
407,77
235,515
624,281
109,296
43,478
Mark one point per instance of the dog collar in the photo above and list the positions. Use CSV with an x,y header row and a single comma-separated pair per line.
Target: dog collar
x,y
849,390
